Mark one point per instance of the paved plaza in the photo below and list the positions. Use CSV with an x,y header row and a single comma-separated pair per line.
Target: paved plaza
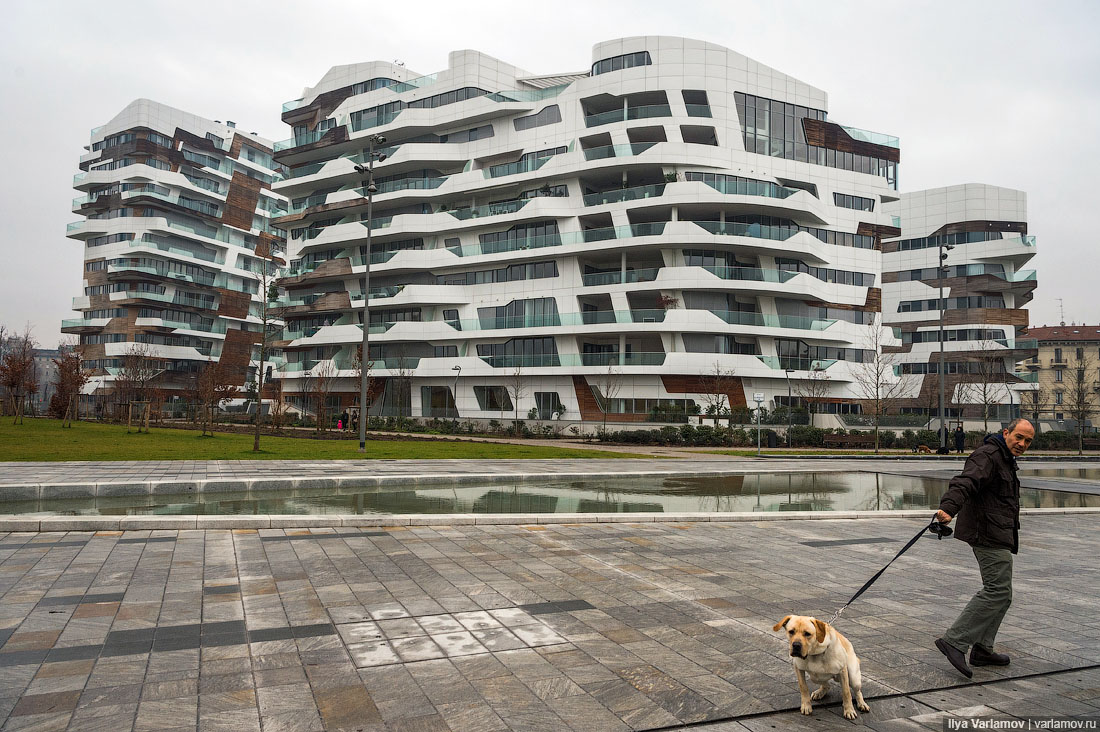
x,y
587,626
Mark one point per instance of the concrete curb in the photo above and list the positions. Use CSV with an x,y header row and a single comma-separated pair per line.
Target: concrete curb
x,y
135,523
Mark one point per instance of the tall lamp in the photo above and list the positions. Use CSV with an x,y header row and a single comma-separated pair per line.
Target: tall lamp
x,y
369,189
940,267
788,372
458,370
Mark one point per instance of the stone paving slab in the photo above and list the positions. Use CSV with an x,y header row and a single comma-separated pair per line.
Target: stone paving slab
x,y
577,626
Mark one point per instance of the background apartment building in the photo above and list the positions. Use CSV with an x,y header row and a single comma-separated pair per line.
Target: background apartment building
x,y
981,232
1065,373
581,243
176,225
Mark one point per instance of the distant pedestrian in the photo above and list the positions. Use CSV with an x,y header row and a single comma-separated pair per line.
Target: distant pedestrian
x,y
960,439
355,421
344,421
340,425
986,499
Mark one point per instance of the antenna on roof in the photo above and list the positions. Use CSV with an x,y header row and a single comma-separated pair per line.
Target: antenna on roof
x,y
1062,311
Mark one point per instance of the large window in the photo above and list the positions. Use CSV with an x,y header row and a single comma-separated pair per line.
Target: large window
x,y
951,303
839,276
493,399
859,203
512,273
546,116
966,237
772,127
625,61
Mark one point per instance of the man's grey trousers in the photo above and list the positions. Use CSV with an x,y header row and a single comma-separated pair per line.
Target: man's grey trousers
x,y
977,624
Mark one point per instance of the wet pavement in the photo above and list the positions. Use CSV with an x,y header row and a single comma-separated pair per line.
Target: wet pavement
x,y
588,626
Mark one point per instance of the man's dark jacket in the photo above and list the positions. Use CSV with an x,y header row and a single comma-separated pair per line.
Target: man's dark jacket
x,y
985,497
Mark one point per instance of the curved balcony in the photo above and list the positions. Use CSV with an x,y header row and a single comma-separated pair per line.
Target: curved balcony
x,y
624,194
569,237
617,151
648,111
761,320
493,209
619,278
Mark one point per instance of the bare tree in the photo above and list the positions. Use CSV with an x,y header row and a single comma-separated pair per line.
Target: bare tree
x,y
269,292
985,385
278,406
17,371
71,378
609,383
324,379
1080,397
716,385
516,384
875,381
357,368
1035,402
213,387
813,390
139,368
403,369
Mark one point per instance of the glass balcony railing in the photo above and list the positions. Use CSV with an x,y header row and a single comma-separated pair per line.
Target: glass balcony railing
x,y
378,293
698,110
624,194
622,115
305,170
377,120
542,360
493,209
875,138
1032,378
628,358
896,221
417,83
527,95
752,188
796,363
77,323
618,278
407,184
734,317
554,320
751,274
569,237
196,278
617,151
755,231
304,138
522,166
1026,344
292,104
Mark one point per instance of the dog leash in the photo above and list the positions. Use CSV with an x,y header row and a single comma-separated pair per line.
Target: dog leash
x,y
939,529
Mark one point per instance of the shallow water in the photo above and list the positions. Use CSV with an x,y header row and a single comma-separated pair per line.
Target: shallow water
x,y
832,491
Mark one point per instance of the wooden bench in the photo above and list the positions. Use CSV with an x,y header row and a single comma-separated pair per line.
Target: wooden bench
x,y
867,440
1090,443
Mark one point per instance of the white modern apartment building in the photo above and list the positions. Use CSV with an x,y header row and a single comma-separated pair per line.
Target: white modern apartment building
x,y
981,232
598,240
176,212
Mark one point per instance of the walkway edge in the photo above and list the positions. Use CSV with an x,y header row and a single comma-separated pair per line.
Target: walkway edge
x,y
306,521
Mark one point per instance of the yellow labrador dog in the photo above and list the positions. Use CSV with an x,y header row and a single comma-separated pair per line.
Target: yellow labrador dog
x,y
817,649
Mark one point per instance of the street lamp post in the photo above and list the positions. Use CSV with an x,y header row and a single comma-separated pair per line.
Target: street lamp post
x,y
943,310
458,371
369,189
788,373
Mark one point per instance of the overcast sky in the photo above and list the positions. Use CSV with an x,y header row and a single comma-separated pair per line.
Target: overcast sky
x,y
1004,93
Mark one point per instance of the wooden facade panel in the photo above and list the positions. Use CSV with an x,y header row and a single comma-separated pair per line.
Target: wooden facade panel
x,y
333,136
832,135
871,304
233,304
237,353
698,385
319,209
339,267
241,201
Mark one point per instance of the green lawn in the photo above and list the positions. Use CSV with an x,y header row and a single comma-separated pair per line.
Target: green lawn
x,y
45,440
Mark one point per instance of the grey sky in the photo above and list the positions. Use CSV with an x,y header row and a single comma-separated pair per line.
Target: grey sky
x,y
1006,93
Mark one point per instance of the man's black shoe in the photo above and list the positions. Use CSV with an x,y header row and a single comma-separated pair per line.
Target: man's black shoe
x,y
981,657
955,656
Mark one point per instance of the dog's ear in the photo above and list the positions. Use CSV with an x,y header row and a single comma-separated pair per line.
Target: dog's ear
x,y
782,623
820,625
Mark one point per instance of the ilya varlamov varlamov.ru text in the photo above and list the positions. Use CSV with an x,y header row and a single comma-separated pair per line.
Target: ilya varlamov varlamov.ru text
x,y
1028,723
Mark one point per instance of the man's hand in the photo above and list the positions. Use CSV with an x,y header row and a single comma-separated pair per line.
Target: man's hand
x,y
943,517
